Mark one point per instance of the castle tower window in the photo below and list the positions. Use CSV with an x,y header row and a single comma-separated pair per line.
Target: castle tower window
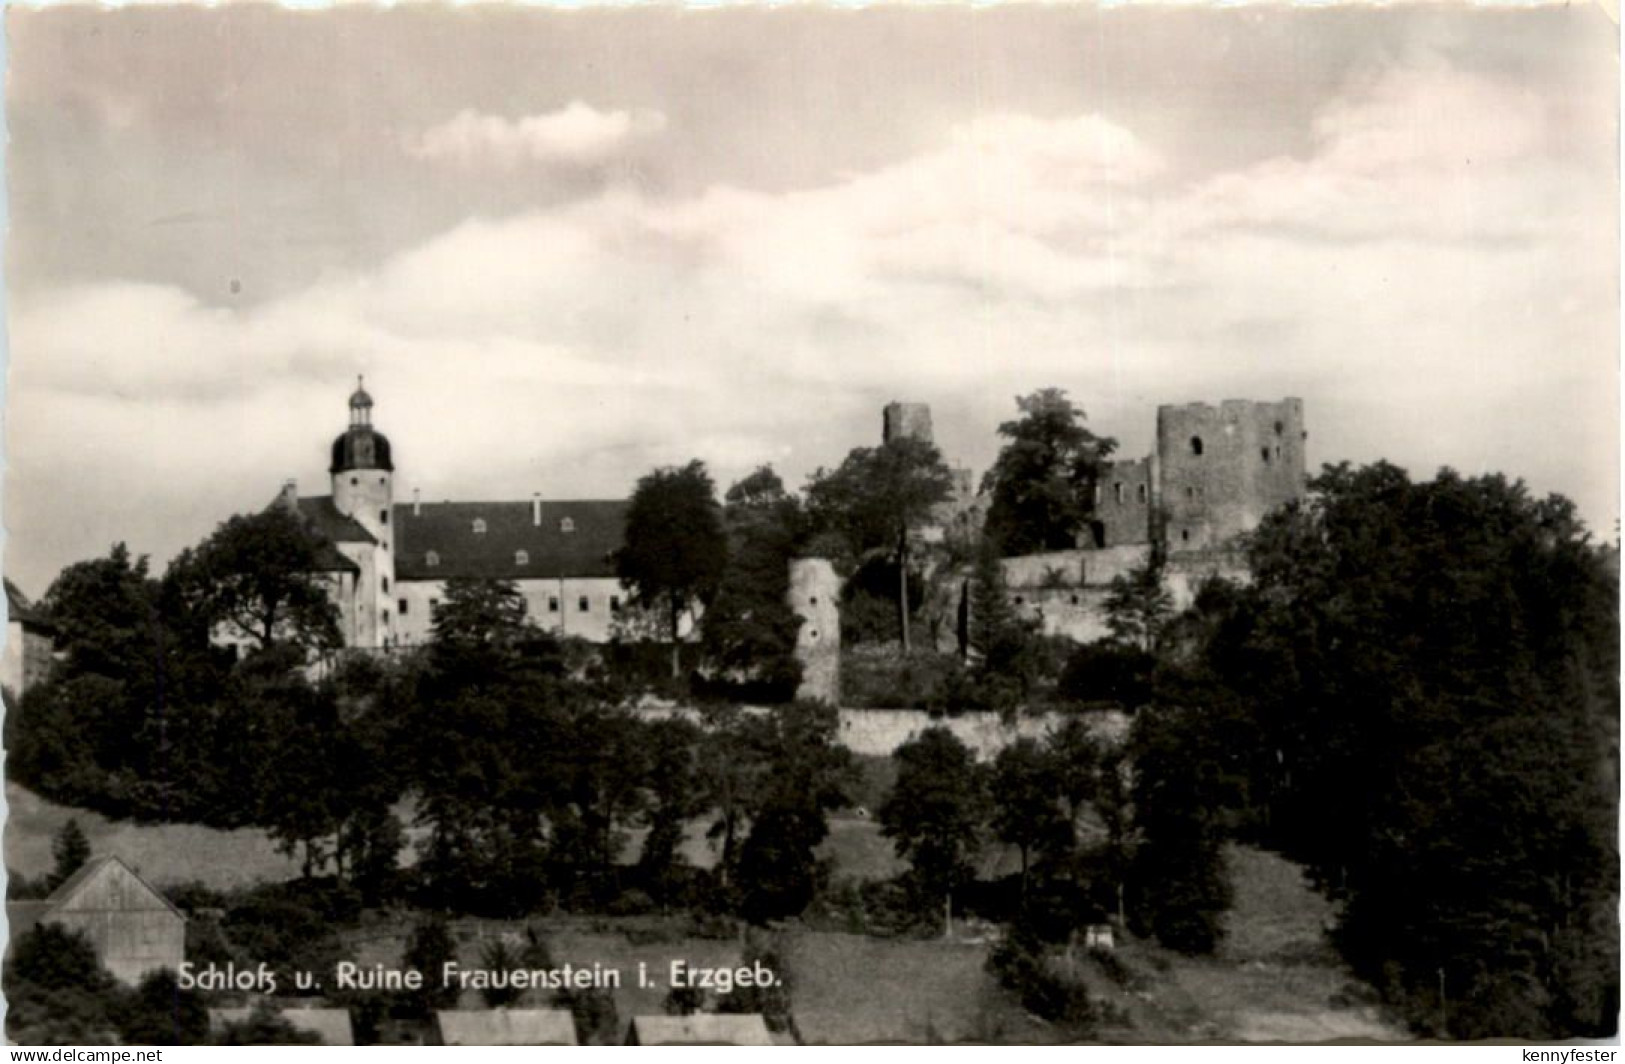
x,y
479,526
1196,446
567,525
1141,494
404,604
553,604
1185,535
1117,492
1264,453
582,605
1190,492
354,481
431,559
521,557
1277,450
1279,428
386,585
383,517
615,604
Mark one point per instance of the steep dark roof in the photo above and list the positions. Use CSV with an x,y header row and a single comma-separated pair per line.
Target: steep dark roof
x,y
447,529
361,447
18,609
324,518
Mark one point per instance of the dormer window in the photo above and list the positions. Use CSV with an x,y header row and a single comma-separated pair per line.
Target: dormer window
x,y
431,559
567,525
479,526
521,557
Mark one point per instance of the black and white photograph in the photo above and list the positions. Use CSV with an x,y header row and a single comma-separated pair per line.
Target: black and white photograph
x,y
821,524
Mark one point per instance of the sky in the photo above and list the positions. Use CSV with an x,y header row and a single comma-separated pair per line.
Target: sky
x,y
567,247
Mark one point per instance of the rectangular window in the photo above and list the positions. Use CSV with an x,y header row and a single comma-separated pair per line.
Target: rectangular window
x,y
581,604
615,603
404,604
383,517
553,604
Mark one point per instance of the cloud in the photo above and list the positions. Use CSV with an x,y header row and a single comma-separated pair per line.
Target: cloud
x,y
1431,270
577,135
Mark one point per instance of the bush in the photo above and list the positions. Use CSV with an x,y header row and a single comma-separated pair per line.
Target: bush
x,y
882,677
1021,968
1099,673
884,908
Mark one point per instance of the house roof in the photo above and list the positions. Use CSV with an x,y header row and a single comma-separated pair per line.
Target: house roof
x,y
701,1029
19,610
574,538
105,864
332,1026
325,519
330,527
506,1027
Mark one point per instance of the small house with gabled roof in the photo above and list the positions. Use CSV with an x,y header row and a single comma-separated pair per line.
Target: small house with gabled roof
x,y
700,1029
132,927
505,1027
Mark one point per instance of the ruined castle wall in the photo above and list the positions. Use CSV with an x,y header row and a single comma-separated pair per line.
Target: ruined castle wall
x,y
1077,613
815,593
1222,468
1187,571
1123,503
906,420
1073,568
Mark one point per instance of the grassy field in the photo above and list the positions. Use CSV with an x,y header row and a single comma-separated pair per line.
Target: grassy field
x,y
162,853
850,989
1274,979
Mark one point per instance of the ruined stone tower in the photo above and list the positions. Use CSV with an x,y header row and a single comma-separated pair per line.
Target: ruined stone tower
x,y
907,420
815,592
1221,469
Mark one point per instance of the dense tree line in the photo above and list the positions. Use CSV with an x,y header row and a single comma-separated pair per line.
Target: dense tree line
x,y
1419,698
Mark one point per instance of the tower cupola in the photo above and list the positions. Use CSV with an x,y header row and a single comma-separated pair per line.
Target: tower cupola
x,y
361,446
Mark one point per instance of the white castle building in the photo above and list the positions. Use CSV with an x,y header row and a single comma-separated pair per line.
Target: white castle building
x,y
387,562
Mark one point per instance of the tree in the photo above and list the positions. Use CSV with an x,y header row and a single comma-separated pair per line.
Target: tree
x,y
1182,886
258,577
265,1026
1139,607
480,629
427,950
675,549
1026,788
877,500
70,849
1432,669
749,629
56,989
800,773
160,1013
934,812
1002,644
104,615
1043,482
